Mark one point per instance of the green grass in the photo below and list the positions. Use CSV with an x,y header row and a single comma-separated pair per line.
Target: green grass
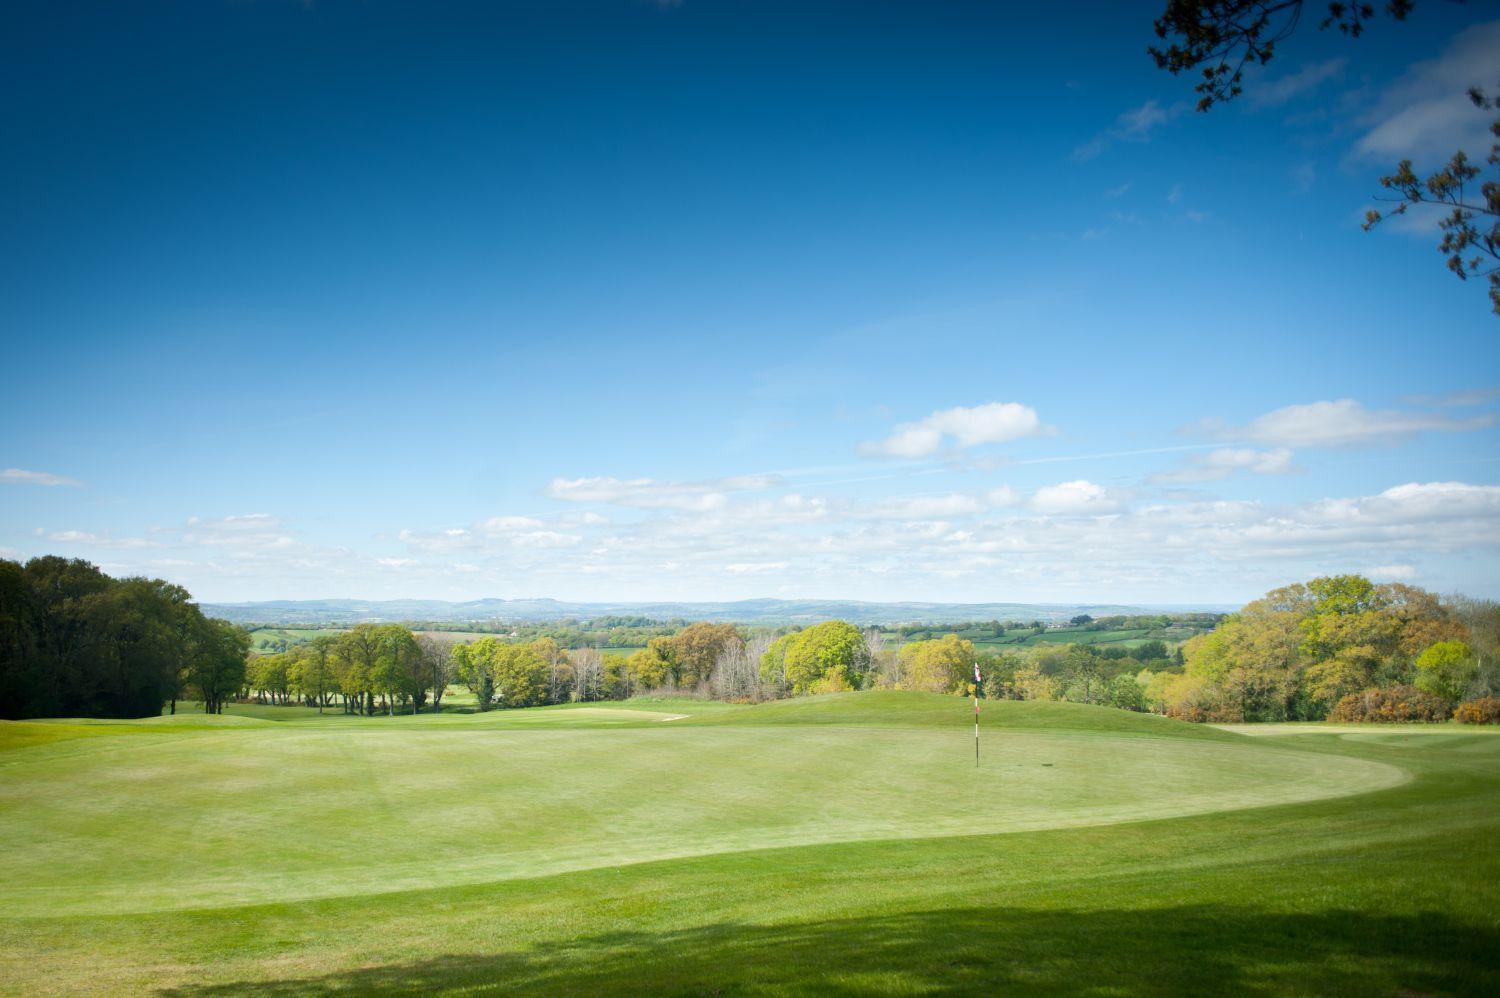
x,y
836,844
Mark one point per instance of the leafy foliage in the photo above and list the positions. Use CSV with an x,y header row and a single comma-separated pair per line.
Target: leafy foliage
x,y
75,642
1393,704
1471,224
1485,710
1223,37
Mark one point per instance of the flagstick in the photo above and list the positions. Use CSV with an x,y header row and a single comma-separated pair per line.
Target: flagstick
x,y
977,681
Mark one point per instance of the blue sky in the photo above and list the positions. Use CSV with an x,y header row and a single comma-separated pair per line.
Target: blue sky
x,y
624,300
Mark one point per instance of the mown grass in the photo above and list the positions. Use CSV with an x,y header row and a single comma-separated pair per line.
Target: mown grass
x,y
1383,891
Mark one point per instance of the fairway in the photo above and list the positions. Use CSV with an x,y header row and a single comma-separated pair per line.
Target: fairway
x,y
125,827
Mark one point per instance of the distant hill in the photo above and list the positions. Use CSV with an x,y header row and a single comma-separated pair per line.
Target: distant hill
x,y
768,611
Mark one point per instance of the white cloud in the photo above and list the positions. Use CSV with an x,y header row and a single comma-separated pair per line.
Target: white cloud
x,y
648,493
1274,93
994,422
1136,125
1121,191
930,507
1002,496
19,476
1426,114
1347,423
509,524
98,540
755,567
1077,498
1456,400
1391,573
1226,461
545,539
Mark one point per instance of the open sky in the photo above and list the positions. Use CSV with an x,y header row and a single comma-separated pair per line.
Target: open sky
x,y
711,299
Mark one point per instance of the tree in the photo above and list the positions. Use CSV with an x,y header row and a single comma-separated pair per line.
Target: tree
x,y
1445,670
1471,221
521,675
559,669
1126,692
437,666
588,673
945,665
648,668
471,666
773,663
696,648
1224,36
832,653
74,641
1081,620
217,663
398,671
359,651
315,671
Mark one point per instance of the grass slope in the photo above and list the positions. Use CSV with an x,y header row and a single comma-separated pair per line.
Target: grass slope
x,y
830,844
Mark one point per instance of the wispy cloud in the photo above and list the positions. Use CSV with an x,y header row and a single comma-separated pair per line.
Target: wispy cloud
x,y
19,476
1227,461
1455,400
1274,93
1342,423
1139,124
649,493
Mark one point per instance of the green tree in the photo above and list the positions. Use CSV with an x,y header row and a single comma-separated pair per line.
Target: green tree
x,y
471,665
521,675
314,671
833,651
1126,692
1446,669
217,663
397,671
359,650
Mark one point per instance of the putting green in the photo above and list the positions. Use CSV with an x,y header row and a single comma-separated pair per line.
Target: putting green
x,y
181,816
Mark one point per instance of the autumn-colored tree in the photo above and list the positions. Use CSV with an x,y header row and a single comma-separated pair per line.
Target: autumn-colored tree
x,y
943,665
696,648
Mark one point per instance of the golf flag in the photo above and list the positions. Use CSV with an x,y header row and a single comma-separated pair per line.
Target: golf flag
x,y
977,683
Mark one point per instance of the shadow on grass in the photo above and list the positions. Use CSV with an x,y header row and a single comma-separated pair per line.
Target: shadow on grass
x,y
1198,949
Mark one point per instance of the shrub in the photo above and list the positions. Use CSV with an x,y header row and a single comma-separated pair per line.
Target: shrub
x,y
1485,710
1392,704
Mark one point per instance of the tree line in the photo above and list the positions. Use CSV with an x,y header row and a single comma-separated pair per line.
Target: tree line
x,y
76,643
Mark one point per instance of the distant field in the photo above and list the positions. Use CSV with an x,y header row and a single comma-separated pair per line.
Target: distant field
x,y
832,844
1128,638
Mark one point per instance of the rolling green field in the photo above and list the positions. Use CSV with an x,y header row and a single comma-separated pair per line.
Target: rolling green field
x,y
832,844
